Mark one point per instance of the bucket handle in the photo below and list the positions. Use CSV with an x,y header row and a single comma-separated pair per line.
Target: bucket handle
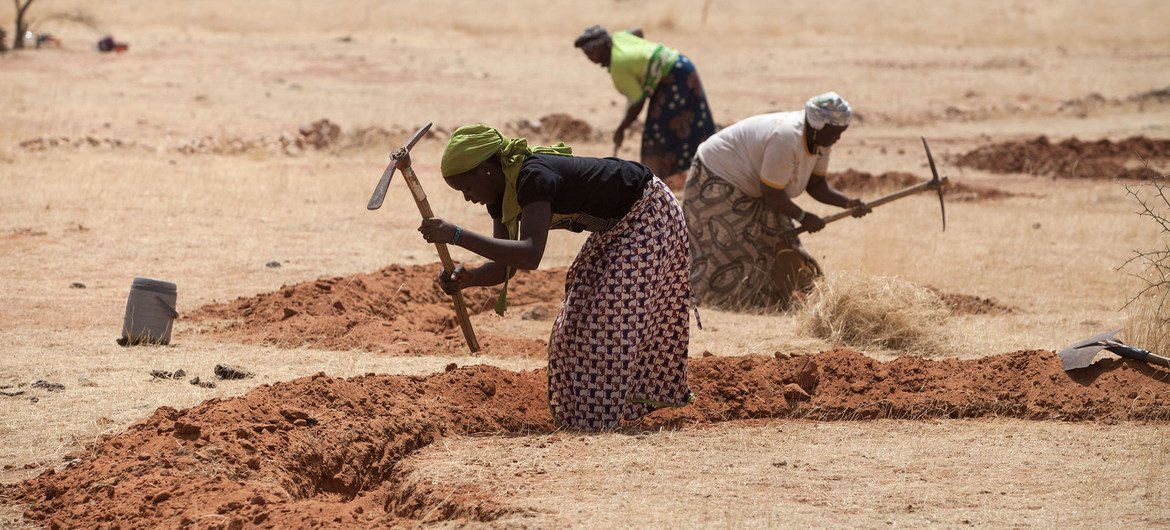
x,y
174,314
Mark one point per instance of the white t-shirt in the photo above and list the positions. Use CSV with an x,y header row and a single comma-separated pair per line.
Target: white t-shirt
x,y
766,148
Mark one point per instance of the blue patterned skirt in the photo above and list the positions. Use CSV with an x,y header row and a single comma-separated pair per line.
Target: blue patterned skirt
x,y
677,121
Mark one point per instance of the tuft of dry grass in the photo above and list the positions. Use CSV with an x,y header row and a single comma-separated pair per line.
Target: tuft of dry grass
x,y
1147,323
1148,318
862,311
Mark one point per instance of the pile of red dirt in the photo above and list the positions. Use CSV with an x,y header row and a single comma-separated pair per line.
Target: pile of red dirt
x,y
556,127
966,304
1071,158
869,186
394,310
324,451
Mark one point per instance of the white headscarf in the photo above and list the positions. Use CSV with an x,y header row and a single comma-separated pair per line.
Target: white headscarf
x,y
827,108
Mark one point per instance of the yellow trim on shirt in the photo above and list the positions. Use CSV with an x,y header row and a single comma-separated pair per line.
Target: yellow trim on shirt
x,y
770,185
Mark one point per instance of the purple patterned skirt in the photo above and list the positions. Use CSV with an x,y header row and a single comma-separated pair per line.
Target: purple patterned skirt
x,y
618,348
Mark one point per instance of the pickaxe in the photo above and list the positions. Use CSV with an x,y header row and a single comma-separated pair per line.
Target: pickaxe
x,y
400,159
1081,354
934,183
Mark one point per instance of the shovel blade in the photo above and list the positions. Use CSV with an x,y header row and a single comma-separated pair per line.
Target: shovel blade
x,y
1081,353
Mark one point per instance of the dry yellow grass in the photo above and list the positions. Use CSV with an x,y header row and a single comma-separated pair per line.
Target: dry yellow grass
x,y
1148,313
219,69
868,312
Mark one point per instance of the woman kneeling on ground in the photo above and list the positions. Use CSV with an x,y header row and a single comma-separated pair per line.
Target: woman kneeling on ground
x,y
618,349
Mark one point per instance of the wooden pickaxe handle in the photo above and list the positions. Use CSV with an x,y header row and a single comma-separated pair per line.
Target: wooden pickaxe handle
x,y
935,183
400,160
424,208
872,204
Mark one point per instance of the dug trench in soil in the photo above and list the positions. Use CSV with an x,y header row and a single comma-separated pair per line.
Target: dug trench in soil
x,y
324,451
401,310
395,310
1072,158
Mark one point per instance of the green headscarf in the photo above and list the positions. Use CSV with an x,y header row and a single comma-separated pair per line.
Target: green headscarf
x,y
470,146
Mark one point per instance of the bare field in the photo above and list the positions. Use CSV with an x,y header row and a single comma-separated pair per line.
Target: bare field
x,y
168,162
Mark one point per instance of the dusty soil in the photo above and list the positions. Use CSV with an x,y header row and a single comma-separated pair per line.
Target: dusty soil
x,y
1072,158
236,134
324,450
395,310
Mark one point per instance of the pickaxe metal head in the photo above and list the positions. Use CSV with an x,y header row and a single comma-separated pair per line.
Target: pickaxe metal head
x,y
936,183
401,156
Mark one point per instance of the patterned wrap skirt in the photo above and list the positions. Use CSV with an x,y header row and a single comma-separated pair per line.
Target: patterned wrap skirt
x,y
738,259
677,121
618,348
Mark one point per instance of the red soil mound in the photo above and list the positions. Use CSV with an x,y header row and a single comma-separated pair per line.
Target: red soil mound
x,y
323,451
556,127
1072,158
870,186
965,304
394,310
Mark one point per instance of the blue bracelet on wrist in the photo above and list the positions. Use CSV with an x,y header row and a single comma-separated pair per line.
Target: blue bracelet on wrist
x,y
458,232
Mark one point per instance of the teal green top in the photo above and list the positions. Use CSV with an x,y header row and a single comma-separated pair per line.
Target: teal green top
x,y
637,65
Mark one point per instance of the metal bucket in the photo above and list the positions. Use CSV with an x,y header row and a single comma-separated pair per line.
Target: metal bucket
x,y
150,312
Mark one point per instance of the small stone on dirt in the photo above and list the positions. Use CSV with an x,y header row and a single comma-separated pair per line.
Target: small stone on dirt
x,y
77,285
538,313
227,371
451,367
163,374
808,376
203,384
183,428
272,264
51,387
794,392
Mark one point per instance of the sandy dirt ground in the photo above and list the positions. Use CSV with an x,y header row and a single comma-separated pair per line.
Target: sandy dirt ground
x,y
188,159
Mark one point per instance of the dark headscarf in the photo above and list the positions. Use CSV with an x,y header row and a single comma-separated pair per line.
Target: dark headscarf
x,y
592,36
